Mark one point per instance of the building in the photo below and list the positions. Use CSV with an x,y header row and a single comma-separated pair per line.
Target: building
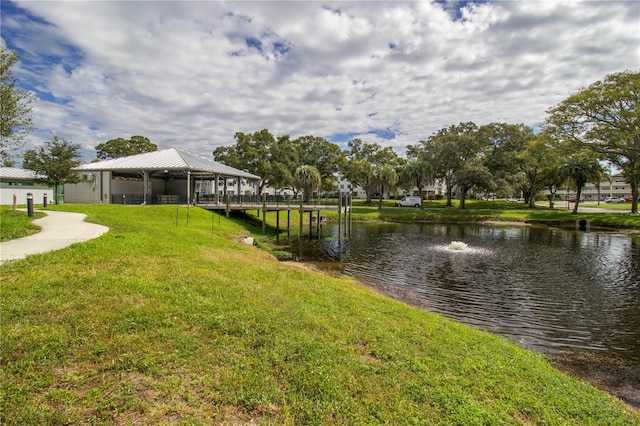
x,y
616,187
18,183
169,176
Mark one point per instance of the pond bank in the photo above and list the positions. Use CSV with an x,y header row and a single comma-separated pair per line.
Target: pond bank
x,y
607,373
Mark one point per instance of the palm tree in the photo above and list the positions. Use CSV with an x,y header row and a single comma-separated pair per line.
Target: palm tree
x,y
580,170
417,173
308,179
384,176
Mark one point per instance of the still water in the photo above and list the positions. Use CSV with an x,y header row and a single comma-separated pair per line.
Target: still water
x,y
548,289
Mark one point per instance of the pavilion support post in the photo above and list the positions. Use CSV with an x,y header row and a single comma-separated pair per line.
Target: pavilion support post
x,y
318,224
145,183
310,224
215,185
189,187
288,224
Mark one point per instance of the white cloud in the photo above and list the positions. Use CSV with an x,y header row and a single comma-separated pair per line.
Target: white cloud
x,y
191,74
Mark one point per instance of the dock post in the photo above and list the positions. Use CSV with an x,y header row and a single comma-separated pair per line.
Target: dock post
x,y
339,215
301,213
277,225
310,224
350,208
264,214
318,224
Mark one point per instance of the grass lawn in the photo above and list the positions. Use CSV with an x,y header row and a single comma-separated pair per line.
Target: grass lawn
x,y
167,319
17,224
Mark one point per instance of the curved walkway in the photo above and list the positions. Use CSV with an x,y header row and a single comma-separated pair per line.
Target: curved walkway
x,y
59,230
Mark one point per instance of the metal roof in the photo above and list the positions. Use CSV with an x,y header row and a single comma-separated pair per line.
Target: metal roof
x,y
16,173
173,159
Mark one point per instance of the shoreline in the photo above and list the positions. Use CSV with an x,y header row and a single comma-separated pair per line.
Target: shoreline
x,y
609,374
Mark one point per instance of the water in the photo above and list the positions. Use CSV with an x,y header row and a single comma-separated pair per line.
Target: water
x,y
550,290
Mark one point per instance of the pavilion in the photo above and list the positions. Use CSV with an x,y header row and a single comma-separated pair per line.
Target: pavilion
x,y
168,176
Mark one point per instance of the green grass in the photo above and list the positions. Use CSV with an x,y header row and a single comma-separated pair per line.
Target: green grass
x,y
160,321
16,224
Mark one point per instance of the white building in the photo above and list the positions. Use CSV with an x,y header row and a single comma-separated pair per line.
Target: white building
x,y
19,182
616,187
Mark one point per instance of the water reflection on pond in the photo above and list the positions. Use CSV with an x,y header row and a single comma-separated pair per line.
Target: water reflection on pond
x,y
549,289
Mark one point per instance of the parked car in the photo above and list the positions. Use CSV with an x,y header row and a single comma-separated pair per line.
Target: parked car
x,y
409,202
614,200
513,200
628,199
573,200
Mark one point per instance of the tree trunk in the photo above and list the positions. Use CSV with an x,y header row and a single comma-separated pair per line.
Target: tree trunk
x,y
552,195
463,198
421,197
449,191
575,205
634,196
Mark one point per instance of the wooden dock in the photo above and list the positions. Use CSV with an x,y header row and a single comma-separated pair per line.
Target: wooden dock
x,y
343,208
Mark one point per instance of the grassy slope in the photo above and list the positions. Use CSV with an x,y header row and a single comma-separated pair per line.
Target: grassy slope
x,y
17,224
154,322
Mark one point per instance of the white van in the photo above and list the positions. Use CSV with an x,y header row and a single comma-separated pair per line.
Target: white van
x,y
409,202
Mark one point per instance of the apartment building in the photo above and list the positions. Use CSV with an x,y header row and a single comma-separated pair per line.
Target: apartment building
x,y
616,187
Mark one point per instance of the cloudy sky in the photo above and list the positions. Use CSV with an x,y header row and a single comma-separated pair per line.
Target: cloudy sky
x,y
191,74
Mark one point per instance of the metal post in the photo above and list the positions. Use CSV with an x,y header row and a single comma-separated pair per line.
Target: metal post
x,y
30,205
44,200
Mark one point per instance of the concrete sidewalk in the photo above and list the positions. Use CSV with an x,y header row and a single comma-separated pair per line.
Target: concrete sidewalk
x,y
59,230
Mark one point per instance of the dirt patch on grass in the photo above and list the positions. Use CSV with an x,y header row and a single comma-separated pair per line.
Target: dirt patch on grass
x,y
613,375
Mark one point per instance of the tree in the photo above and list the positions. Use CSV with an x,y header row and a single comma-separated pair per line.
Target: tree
x,y
120,147
456,153
284,157
504,144
383,177
417,172
308,179
360,160
251,153
325,156
15,108
53,163
580,169
538,164
605,119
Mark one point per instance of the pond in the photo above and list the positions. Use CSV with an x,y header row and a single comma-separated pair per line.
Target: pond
x,y
550,290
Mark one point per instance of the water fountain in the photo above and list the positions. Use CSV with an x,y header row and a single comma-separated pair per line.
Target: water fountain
x,y
458,246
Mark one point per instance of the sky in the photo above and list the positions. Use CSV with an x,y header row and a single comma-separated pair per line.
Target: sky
x,y
190,74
